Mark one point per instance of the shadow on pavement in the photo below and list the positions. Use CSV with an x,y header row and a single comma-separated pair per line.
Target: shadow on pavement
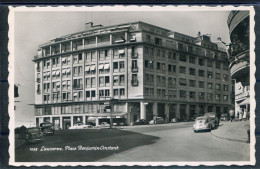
x,y
69,142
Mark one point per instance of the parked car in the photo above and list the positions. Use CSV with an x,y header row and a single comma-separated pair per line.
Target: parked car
x,y
159,120
203,123
193,118
33,134
224,117
80,126
140,122
47,128
104,125
175,120
214,118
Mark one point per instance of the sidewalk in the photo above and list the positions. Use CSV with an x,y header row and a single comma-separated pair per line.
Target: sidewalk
x,y
19,142
233,131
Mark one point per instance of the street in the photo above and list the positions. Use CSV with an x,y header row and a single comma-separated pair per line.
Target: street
x,y
168,142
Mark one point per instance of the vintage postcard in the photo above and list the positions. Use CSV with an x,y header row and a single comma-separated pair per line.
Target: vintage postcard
x,y
132,85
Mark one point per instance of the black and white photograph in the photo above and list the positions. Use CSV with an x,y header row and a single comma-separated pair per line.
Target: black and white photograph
x,y
132,85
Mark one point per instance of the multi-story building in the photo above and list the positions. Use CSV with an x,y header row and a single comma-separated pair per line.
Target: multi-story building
x,y
238,23
141,70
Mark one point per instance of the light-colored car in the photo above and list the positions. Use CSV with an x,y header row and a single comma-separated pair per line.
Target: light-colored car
x,y
80,126
159,120
202,123
104,125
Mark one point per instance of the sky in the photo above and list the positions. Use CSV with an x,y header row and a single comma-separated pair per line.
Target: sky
x,y
37,27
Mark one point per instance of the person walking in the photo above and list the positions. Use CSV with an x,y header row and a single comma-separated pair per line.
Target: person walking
x,y
240,114
231,114
244,115
154,119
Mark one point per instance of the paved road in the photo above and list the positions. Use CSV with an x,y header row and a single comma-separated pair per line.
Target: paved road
x,y
180,143
171,142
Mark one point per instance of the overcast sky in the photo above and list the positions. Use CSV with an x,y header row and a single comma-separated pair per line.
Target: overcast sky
x,y
35,28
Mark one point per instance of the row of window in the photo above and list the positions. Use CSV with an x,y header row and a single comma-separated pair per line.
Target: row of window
x,y
172,94
78,95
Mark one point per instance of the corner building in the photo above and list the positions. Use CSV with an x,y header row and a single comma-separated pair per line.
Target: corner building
x,y
239,57
139,69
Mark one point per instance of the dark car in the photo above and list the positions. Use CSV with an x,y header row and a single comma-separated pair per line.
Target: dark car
x,y
141,122
33,134
47,128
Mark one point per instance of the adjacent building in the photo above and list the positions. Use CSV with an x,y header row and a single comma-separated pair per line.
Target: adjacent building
x,y
239,57
138,69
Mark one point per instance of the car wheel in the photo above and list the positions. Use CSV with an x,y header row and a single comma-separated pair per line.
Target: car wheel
x,y
195,131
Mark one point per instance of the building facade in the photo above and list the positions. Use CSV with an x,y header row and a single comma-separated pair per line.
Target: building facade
x,y
138,69
239,57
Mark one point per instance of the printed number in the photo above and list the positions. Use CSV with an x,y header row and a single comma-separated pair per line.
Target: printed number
x,y
33,149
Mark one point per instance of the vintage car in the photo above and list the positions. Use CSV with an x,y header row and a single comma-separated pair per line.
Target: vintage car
x,y
104,125
159,120
33,134
80,126
140,122
203,123
47,128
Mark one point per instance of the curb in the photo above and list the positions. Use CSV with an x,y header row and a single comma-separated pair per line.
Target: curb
x,y
229,139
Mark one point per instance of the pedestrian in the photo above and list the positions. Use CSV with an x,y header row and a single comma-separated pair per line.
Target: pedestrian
x,y
244,115
231,115
155,120
240,114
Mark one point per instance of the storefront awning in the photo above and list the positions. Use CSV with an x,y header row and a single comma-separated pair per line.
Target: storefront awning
x,y
106,66
58,84
101,66
64,83
53,73
245,102
63,59
87,68
93,67
68,70
63,70
48,73
122,51
57,72
75,94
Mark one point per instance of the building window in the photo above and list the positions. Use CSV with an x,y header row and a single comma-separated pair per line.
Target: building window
x,y
122,80
183,82
201,62
101,81
217,97
115,92
122,92
225,77
93,93
180,46
201,95
115,66
210,75
192,83
192,71
201,84
77,84
148,38
225,87
210,85
116,80
217,86
210,96
106,81
218,65
192,95
134,80
158,41
146,63
182,93
87,94
217,75
210,62
201,73
192,59
182,58
183,69
158,65
225,97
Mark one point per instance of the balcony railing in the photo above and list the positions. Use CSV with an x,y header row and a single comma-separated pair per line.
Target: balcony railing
x,y
134,82
78,86
134,69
